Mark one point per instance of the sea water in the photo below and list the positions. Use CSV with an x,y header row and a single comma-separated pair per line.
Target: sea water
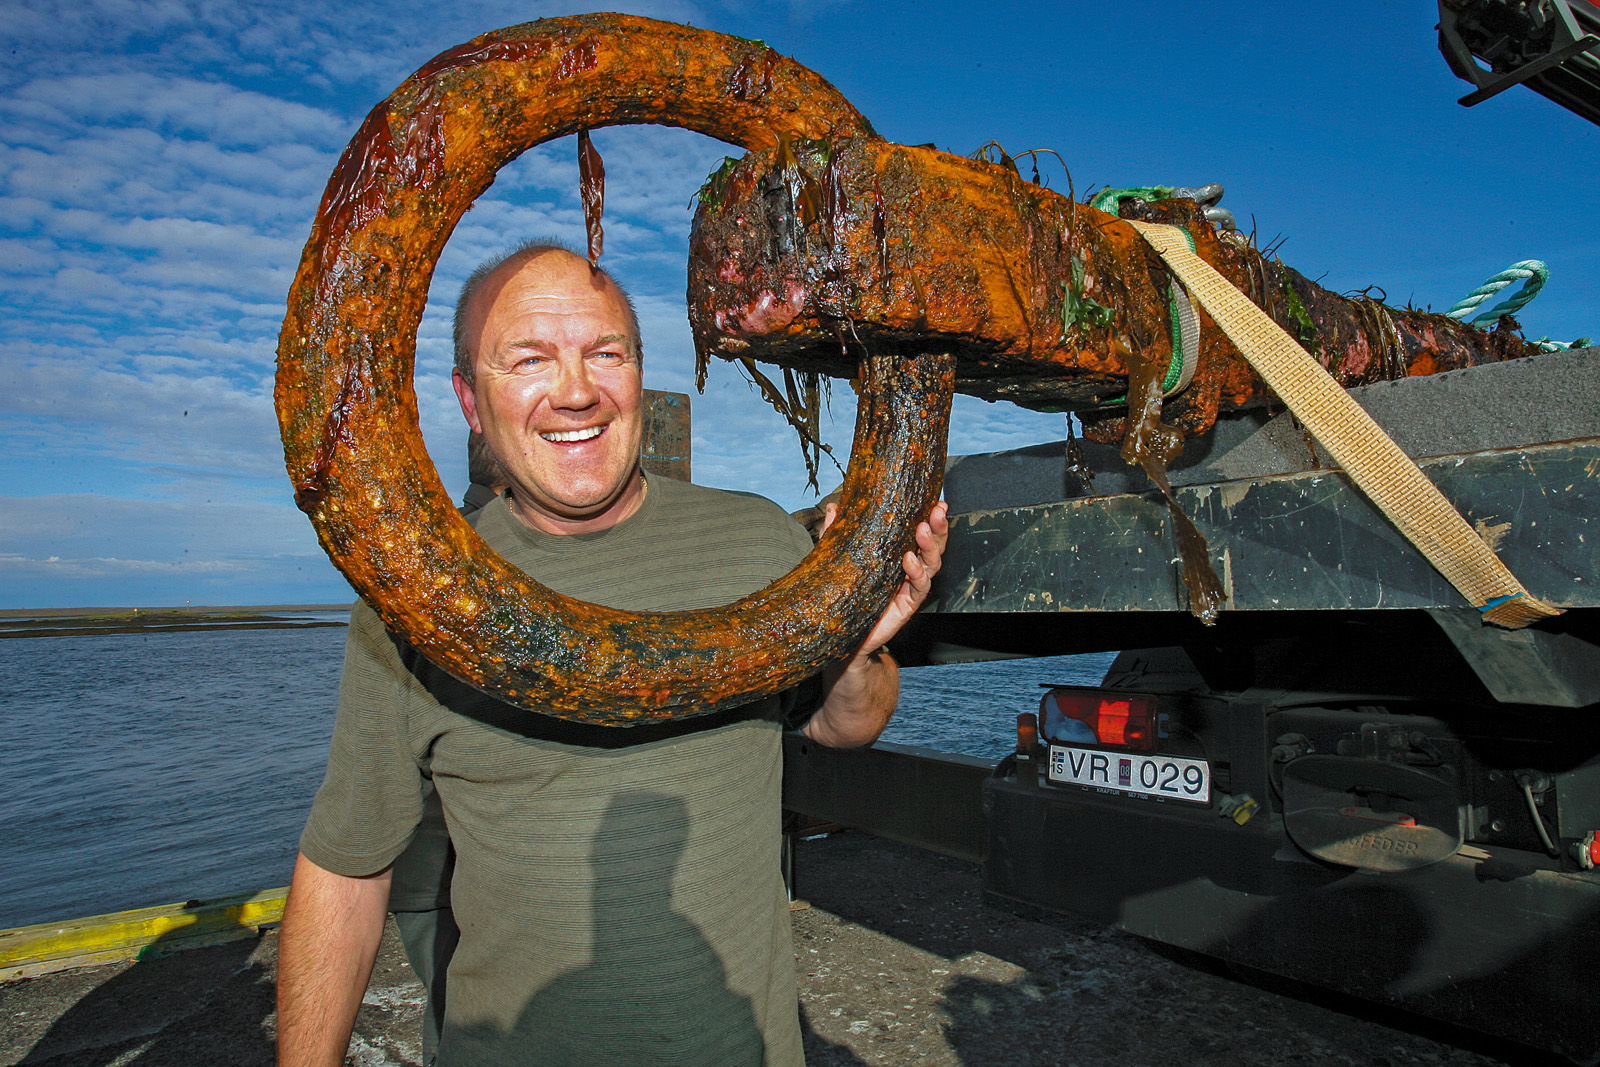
x,y
152,768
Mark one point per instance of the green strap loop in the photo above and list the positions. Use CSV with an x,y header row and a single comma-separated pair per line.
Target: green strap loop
x,y
1109,200
1183,317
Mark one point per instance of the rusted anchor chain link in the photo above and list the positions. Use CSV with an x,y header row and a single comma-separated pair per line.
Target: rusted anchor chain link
x,y
348,410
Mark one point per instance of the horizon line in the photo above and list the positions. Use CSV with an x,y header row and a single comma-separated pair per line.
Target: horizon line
x,y
197,609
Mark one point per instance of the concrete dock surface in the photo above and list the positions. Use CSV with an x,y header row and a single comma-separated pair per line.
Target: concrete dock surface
x,y
899,961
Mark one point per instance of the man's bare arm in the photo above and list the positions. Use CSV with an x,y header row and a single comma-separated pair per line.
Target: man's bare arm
x,y
861,693
326,947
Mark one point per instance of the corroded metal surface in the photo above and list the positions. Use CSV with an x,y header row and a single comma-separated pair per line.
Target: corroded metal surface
x,y
348,411
1046,302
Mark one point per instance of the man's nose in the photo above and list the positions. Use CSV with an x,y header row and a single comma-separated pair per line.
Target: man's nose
x,y
575,387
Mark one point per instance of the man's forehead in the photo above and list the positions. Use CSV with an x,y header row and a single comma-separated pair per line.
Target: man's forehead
x,y
556,276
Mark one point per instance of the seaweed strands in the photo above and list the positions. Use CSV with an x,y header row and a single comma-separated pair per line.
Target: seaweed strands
x,y
592,191
1151,446
800,404
795,202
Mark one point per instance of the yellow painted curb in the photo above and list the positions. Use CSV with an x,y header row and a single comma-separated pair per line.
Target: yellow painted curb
x,y
144,933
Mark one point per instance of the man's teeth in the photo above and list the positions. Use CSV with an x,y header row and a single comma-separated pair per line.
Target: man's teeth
x,y
573,435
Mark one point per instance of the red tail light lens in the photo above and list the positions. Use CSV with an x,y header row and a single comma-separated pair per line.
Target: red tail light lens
x,y
1097,717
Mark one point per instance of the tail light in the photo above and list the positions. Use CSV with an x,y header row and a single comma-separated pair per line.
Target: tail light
x,y
1027,732
1099,717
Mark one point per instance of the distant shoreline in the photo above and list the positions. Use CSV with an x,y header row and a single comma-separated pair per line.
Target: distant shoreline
x,y
192,609
90,622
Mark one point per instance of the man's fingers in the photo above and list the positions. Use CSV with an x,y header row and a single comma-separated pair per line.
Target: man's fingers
x,y
916,570
920,564
931,538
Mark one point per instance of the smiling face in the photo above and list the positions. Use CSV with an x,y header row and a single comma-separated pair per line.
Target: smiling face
x,y
556,391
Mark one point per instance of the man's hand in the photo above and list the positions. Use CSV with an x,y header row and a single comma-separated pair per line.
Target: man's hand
x,y
862,692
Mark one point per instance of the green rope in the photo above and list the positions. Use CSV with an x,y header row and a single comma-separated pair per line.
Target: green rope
x,y
1561,346
1531,272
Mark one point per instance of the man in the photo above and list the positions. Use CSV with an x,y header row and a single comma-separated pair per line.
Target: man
x,y
617,890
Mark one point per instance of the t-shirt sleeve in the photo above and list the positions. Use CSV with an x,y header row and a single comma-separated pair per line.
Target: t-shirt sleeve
x,y
371,800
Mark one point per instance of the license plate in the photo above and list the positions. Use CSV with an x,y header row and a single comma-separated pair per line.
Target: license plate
x,y
1169,777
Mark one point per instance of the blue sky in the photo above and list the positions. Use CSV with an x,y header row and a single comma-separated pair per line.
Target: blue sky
x,y
160,161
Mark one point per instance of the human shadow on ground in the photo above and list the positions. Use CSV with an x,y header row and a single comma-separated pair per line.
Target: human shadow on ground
x,y
820,1052
202,1005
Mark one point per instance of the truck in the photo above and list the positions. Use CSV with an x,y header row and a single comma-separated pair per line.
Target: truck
x,y
1350,780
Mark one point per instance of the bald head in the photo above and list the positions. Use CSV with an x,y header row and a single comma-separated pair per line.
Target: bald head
x,y
485,283
552,381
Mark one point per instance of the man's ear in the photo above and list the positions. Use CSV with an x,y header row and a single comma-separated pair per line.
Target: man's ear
x,y
467,398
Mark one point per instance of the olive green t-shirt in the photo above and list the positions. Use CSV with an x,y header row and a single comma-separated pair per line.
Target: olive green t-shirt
x,y
618,890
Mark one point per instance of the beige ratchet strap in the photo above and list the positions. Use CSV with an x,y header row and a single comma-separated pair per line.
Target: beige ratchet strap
x,y
1367,454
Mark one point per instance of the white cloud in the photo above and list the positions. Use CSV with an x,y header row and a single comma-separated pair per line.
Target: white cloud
x,y
222,114
150,418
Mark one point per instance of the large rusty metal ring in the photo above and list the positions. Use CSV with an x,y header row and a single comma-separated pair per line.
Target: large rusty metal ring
x,y
348,410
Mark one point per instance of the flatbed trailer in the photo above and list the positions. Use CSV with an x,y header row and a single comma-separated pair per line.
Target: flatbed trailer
x,y
1349,780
